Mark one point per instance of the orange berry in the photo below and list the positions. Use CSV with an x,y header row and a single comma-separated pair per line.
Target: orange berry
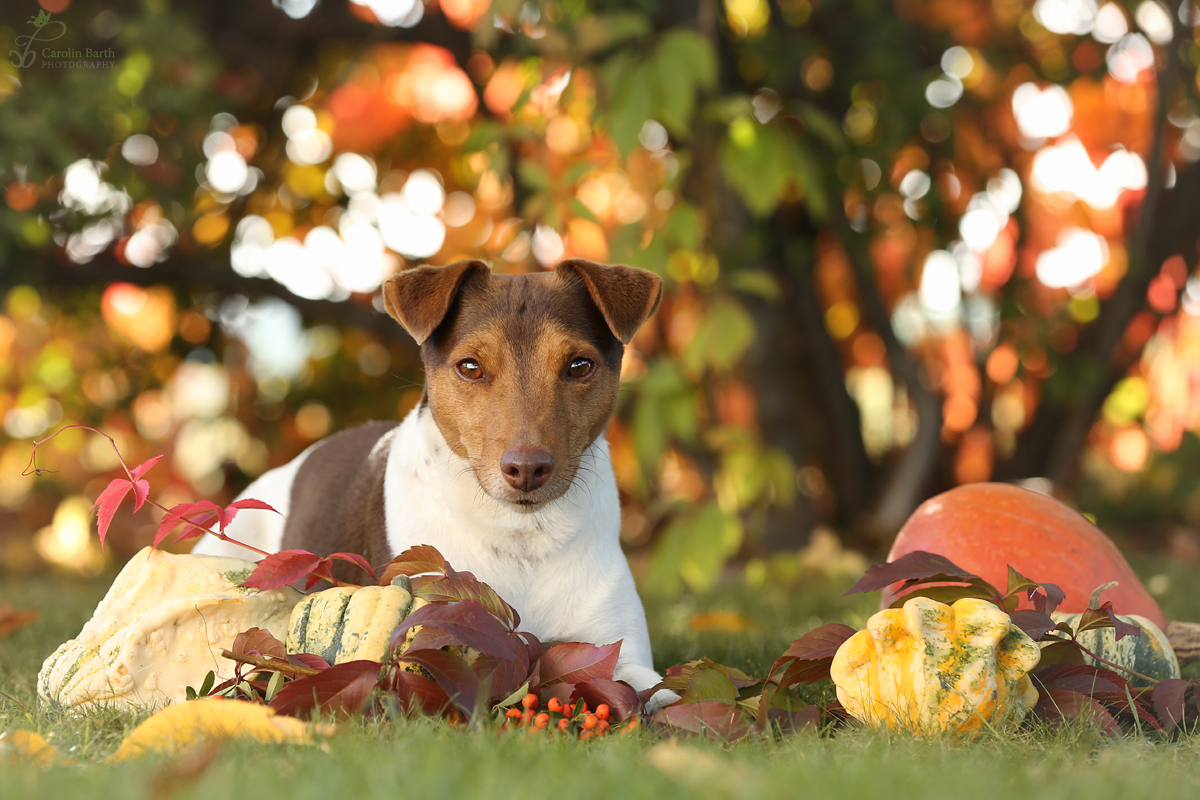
x,y
602,711
526,718
590,722
529,701
633,725
513,713
555,705
602,727
583,705
541,720
563,723
583,737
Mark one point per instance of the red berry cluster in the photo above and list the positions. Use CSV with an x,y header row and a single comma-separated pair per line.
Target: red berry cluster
x,y
569,718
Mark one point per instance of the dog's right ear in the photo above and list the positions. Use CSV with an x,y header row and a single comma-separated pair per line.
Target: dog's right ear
x,y
419,298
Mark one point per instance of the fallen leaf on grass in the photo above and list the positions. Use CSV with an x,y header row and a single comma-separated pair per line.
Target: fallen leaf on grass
x,y
27,746
13,618
723,622
179,727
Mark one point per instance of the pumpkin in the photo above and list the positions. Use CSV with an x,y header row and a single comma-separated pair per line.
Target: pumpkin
x,y
1150,653
161,628
349,623
985,527
931,668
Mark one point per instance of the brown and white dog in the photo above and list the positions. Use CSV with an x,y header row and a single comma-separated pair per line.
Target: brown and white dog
x,y
503,465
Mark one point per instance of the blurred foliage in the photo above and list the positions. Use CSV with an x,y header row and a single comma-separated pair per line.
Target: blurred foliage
x,y
906,244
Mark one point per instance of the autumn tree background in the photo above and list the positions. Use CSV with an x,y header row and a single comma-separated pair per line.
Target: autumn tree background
x,y
906,245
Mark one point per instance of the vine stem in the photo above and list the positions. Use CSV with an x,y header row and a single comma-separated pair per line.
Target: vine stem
x,y
32,469
1105,661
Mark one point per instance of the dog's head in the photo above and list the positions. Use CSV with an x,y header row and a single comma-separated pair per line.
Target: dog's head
x,y
522,371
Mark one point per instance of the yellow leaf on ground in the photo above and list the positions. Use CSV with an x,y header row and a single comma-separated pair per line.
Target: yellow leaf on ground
x,y
722,622
208,720
28,746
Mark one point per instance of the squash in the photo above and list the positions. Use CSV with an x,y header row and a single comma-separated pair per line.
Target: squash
x,y
1150,653
349,623
985,527
161,628
931,668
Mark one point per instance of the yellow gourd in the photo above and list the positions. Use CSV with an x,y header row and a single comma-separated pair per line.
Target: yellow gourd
x,y
348,623
931,668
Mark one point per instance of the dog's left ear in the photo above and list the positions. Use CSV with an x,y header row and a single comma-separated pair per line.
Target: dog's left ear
x,y
626,296
419,298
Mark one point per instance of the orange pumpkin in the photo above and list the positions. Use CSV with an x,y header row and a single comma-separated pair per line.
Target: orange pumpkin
x,y
985,527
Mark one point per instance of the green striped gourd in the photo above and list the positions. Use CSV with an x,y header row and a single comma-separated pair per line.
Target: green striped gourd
x,y
350,623
1150,654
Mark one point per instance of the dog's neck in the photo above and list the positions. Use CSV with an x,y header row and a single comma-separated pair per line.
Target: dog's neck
x,y
424,474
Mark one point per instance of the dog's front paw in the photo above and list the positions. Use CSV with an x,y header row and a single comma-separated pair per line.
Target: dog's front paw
x,y
661,698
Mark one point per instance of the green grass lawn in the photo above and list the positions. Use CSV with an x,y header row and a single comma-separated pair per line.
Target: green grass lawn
x,y
422,759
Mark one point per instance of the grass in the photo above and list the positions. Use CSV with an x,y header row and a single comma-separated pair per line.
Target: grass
x,y
422,759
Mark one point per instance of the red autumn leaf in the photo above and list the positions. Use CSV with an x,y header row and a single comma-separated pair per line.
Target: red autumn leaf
x,y
260,641
499,677
356,559
1048,598
307,660
621,699
340,691
282,569
575,662
1168,697
791,722
12,619
418,695
470,623
198,516
1118,704
451,672
1082,678
708,718
1036,624
917,565
1061,705
449,590
416,561
808,658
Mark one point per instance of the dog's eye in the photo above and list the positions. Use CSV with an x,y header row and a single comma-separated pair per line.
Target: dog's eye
x,y
469,368
580,367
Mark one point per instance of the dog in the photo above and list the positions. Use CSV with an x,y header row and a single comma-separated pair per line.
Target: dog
x,y
503,465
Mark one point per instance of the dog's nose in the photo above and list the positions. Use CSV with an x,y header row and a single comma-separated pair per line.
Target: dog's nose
x,y
526,468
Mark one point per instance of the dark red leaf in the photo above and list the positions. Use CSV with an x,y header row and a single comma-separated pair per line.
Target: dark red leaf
x,y
340,691
790,722
702,680
1118,703
913,566
1034,623
471,624
575,662
1168,697
1104,617
418,695
356,559
308,660
708,718
1082,678
415,561
1048,599
814,651
498,677
450,590
257,640
621,699
1055,705
822,642
282,569
451,672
